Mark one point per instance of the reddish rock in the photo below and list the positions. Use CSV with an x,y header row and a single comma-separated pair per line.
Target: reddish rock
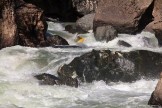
x,y
156,25
31,25
156,97
8,35
125,15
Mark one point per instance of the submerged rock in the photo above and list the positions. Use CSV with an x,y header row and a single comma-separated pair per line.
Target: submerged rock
x,y
123,43
111,66
47,79
156,96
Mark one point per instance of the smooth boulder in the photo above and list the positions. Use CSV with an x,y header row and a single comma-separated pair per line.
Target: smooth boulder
x,y
105,33
126,16
86,22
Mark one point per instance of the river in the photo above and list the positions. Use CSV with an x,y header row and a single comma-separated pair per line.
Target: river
x,y
18,88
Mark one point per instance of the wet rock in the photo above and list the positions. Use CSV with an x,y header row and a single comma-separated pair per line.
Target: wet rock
x,y
68,77
105,33
86,22
126,16
73,29
85,6
123,43
111,66
56,40
47,79
31,25
156,96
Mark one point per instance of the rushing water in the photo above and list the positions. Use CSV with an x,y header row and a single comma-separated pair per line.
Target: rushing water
x,y
18,88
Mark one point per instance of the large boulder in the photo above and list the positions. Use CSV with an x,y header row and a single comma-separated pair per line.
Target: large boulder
x,y
156,96
85,6
126,16
8,27
111,66
31,25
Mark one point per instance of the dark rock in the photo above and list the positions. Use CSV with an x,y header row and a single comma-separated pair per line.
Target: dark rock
x,y
156,96
31,25
85,6
86,22
66,46
73,29
47,79
112,66
123,43
105,33
62,9
126,16
68,77
56,40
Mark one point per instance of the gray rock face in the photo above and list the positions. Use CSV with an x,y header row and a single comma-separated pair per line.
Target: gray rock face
x,y
107,33
86,22
111,66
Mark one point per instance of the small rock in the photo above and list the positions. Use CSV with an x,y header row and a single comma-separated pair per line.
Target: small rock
x,y
123,43
86,22
56,40
105,33
47,79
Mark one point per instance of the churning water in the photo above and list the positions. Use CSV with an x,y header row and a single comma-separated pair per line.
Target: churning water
x,y
18,88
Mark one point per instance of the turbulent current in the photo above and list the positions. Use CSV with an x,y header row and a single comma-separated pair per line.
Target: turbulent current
x,y
18,88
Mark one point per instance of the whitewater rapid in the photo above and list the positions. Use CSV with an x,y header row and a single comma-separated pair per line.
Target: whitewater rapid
x,y
19,89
